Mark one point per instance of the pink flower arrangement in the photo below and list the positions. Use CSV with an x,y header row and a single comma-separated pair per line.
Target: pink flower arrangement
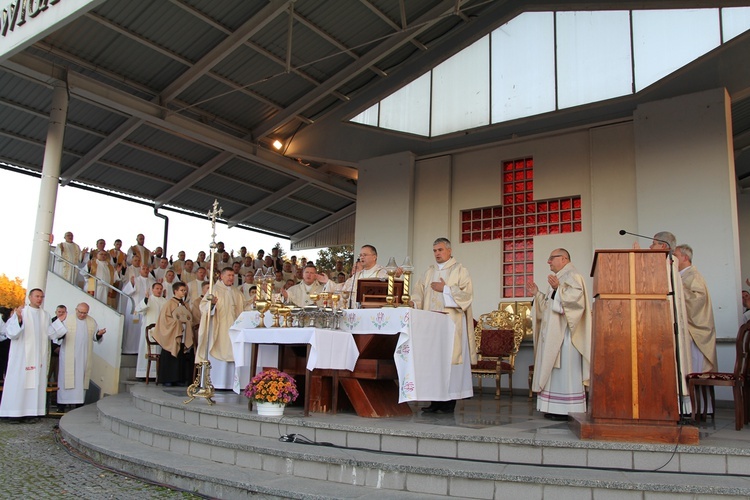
x,y
272,386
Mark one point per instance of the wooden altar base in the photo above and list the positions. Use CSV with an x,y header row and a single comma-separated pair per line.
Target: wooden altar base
x,y
633,431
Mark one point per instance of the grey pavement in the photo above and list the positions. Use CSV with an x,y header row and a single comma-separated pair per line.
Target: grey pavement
x,y
37,464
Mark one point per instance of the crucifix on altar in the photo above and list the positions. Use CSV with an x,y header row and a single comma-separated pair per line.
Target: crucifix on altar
x,y
517,221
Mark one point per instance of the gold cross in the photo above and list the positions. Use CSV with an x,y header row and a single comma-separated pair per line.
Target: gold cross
x,y
213,214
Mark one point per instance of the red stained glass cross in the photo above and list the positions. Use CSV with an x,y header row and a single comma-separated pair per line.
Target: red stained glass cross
x,y
517,221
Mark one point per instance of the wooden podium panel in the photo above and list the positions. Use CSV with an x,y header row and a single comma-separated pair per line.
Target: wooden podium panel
x,y
633,388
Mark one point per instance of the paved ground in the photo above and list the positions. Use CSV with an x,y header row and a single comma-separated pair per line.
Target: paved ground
x,y
36,464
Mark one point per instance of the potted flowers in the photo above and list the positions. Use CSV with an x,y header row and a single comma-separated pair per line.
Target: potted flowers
x,y
271,390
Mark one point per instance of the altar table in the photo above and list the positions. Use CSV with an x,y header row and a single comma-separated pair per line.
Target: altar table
x,y
422,353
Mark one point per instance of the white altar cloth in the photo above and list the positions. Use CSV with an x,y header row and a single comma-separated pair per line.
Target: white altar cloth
x,y
422,355
423,350
329,349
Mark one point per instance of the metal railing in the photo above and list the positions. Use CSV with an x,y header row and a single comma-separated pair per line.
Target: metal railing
x,y
79,270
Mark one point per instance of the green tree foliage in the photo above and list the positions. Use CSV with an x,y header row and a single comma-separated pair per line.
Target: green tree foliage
x,y
327,258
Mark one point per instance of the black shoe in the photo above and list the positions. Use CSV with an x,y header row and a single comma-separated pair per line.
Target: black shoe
x,y
432,408
60,408
557,417
447,406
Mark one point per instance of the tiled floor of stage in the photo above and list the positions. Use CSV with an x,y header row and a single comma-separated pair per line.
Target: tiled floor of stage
x,y
483,415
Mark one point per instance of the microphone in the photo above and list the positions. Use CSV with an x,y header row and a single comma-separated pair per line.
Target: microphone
x,y
623,233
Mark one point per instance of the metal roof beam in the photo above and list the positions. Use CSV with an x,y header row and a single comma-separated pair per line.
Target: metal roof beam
x,y
265,202
391,23
98,93
192,178
385,48
225,47
102,148
328,38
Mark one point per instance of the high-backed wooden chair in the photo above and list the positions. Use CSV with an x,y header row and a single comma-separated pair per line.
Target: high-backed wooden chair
x,y
498,336
152,353
736,380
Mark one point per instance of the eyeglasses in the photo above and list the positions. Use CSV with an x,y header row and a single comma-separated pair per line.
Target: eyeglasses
x,y
82,313
365,255
554,256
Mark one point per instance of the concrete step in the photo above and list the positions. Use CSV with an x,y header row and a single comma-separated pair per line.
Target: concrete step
x,y
235,440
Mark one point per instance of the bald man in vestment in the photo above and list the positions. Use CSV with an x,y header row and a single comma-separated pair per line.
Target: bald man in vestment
x,y
71,252
76,354
700,314
562,357
228,304
446,287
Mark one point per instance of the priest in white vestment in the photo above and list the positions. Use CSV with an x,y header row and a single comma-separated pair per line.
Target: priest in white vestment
x,y
195,286
106,274
76,350
664,240
149,309
299,294
72,253
228,304
700,314
562,356
137,288
139,249
29,330
368,261
446,287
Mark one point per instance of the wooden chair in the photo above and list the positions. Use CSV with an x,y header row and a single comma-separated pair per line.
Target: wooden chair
x,y
737,380
151,353
498,336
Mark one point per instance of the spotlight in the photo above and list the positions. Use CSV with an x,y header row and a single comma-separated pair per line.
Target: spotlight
x,y
277,144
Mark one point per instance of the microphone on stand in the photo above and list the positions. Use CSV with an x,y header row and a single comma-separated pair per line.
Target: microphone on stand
x,y
354,273
623,232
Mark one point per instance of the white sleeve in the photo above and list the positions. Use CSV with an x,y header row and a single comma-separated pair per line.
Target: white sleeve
x,y
56,331
13,330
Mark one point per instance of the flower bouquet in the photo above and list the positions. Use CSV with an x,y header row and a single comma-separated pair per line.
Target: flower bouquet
x,y
272,386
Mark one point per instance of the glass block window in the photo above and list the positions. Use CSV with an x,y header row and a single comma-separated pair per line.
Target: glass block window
x,y
518,221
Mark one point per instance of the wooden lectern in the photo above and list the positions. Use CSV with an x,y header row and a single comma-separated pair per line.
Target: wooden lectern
x,y
633,388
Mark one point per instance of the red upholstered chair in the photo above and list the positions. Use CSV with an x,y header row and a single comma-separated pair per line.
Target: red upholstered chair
x,y
498,336
737,380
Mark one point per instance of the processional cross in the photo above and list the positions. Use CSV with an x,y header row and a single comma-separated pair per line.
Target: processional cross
x,y
202,386
517,221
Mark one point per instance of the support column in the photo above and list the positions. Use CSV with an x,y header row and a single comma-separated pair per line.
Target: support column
x,y
48,188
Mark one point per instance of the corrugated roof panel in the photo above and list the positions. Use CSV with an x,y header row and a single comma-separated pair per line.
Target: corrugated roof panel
x,y
321,197
202,202
93,117
230,14
164,24
274,223
231,104
23,124
339,233
123,181
296,210
192,152
24,92
255,174
20,153
78,141
362,26
259,74
232,190
157,166
116,53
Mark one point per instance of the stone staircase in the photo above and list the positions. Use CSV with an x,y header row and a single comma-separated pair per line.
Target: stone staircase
x,y
225,451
